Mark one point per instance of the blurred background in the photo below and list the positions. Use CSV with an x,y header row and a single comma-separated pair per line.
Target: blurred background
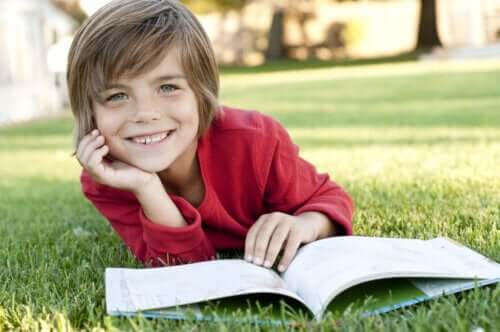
x,y
35,36
398,100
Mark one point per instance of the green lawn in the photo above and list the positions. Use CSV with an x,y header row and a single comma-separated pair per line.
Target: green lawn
x,y
416,144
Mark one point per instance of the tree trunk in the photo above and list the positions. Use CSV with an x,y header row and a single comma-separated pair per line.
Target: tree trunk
x,y
427,28
275,48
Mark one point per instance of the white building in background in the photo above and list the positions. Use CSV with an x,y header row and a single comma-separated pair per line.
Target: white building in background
x,y
467,23
28,87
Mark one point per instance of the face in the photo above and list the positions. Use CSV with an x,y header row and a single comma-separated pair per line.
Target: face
x,y
150,121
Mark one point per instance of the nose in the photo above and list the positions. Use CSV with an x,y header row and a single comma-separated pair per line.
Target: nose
x,y
146,112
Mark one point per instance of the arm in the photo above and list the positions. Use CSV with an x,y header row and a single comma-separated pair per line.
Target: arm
x,y
158,206
323,225
292,184
150,242
303,205
131,199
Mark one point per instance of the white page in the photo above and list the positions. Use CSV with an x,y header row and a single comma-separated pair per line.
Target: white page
x,y
324,268
463,257
436,287
129,290
117,293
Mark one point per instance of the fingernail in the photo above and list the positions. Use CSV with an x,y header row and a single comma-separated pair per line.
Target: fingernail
x,y
94,132
267,264
248,258
281,268
257,261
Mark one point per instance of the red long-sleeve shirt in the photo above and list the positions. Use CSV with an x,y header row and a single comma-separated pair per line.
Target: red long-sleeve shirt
x,y
249,167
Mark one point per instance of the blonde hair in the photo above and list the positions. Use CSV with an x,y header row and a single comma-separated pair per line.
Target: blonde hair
x,y
131,37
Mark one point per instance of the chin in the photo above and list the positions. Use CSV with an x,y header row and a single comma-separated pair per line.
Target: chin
x,y
153,168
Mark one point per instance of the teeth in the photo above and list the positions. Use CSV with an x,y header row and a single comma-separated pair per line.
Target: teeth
x,y
150,139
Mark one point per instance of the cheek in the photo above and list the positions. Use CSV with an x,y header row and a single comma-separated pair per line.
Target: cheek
x,y
108,124
186,111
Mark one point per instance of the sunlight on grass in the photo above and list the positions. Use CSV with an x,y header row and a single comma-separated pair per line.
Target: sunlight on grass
x,y
366,71
57,164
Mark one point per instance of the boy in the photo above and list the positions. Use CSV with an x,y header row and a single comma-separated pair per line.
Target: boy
x,y
177,175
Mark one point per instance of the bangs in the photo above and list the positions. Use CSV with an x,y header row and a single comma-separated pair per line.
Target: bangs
x,y
130,50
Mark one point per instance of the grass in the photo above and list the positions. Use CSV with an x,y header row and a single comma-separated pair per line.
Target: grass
x,y
416,144
291,64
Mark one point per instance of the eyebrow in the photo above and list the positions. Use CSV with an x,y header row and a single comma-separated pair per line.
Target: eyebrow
x,y
169,77
156,80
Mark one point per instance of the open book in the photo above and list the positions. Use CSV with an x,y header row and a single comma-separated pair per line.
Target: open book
x,y
325,275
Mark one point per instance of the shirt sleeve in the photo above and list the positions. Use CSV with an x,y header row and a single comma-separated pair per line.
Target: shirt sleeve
x,y
153,244
292,185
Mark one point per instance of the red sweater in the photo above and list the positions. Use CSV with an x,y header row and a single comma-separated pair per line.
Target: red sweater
x,y
249,167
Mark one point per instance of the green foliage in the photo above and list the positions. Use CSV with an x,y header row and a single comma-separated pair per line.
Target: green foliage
x,y
417,145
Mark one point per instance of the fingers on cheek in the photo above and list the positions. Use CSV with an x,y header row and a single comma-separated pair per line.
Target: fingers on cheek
x,y
103,150
86,152
98,142
95,148
97,156
88,139
81,148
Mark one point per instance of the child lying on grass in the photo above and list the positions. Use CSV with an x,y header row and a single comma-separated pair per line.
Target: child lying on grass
x,y
178,176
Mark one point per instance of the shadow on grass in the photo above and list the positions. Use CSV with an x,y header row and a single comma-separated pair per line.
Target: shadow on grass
x,y
287,65
62,125
58,143
340,142
380,120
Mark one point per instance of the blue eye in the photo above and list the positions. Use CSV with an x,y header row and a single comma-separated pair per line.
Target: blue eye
x,y
168,88
117,97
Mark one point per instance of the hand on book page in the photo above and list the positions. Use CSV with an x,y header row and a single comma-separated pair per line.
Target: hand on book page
x,y
277,231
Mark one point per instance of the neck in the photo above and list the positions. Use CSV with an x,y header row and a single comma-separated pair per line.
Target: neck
x,y
183,172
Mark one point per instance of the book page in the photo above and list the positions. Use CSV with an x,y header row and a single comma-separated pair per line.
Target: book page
x,y
436,287
324,268
130,290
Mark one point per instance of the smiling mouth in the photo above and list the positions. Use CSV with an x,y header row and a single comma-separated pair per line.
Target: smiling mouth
x,y
151,139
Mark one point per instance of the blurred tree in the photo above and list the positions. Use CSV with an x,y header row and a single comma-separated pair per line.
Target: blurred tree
x,y
72,8
276,47
427,28
428,35
208,6
302,10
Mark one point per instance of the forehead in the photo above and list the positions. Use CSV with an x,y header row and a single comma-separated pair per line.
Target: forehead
x,y
167,64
